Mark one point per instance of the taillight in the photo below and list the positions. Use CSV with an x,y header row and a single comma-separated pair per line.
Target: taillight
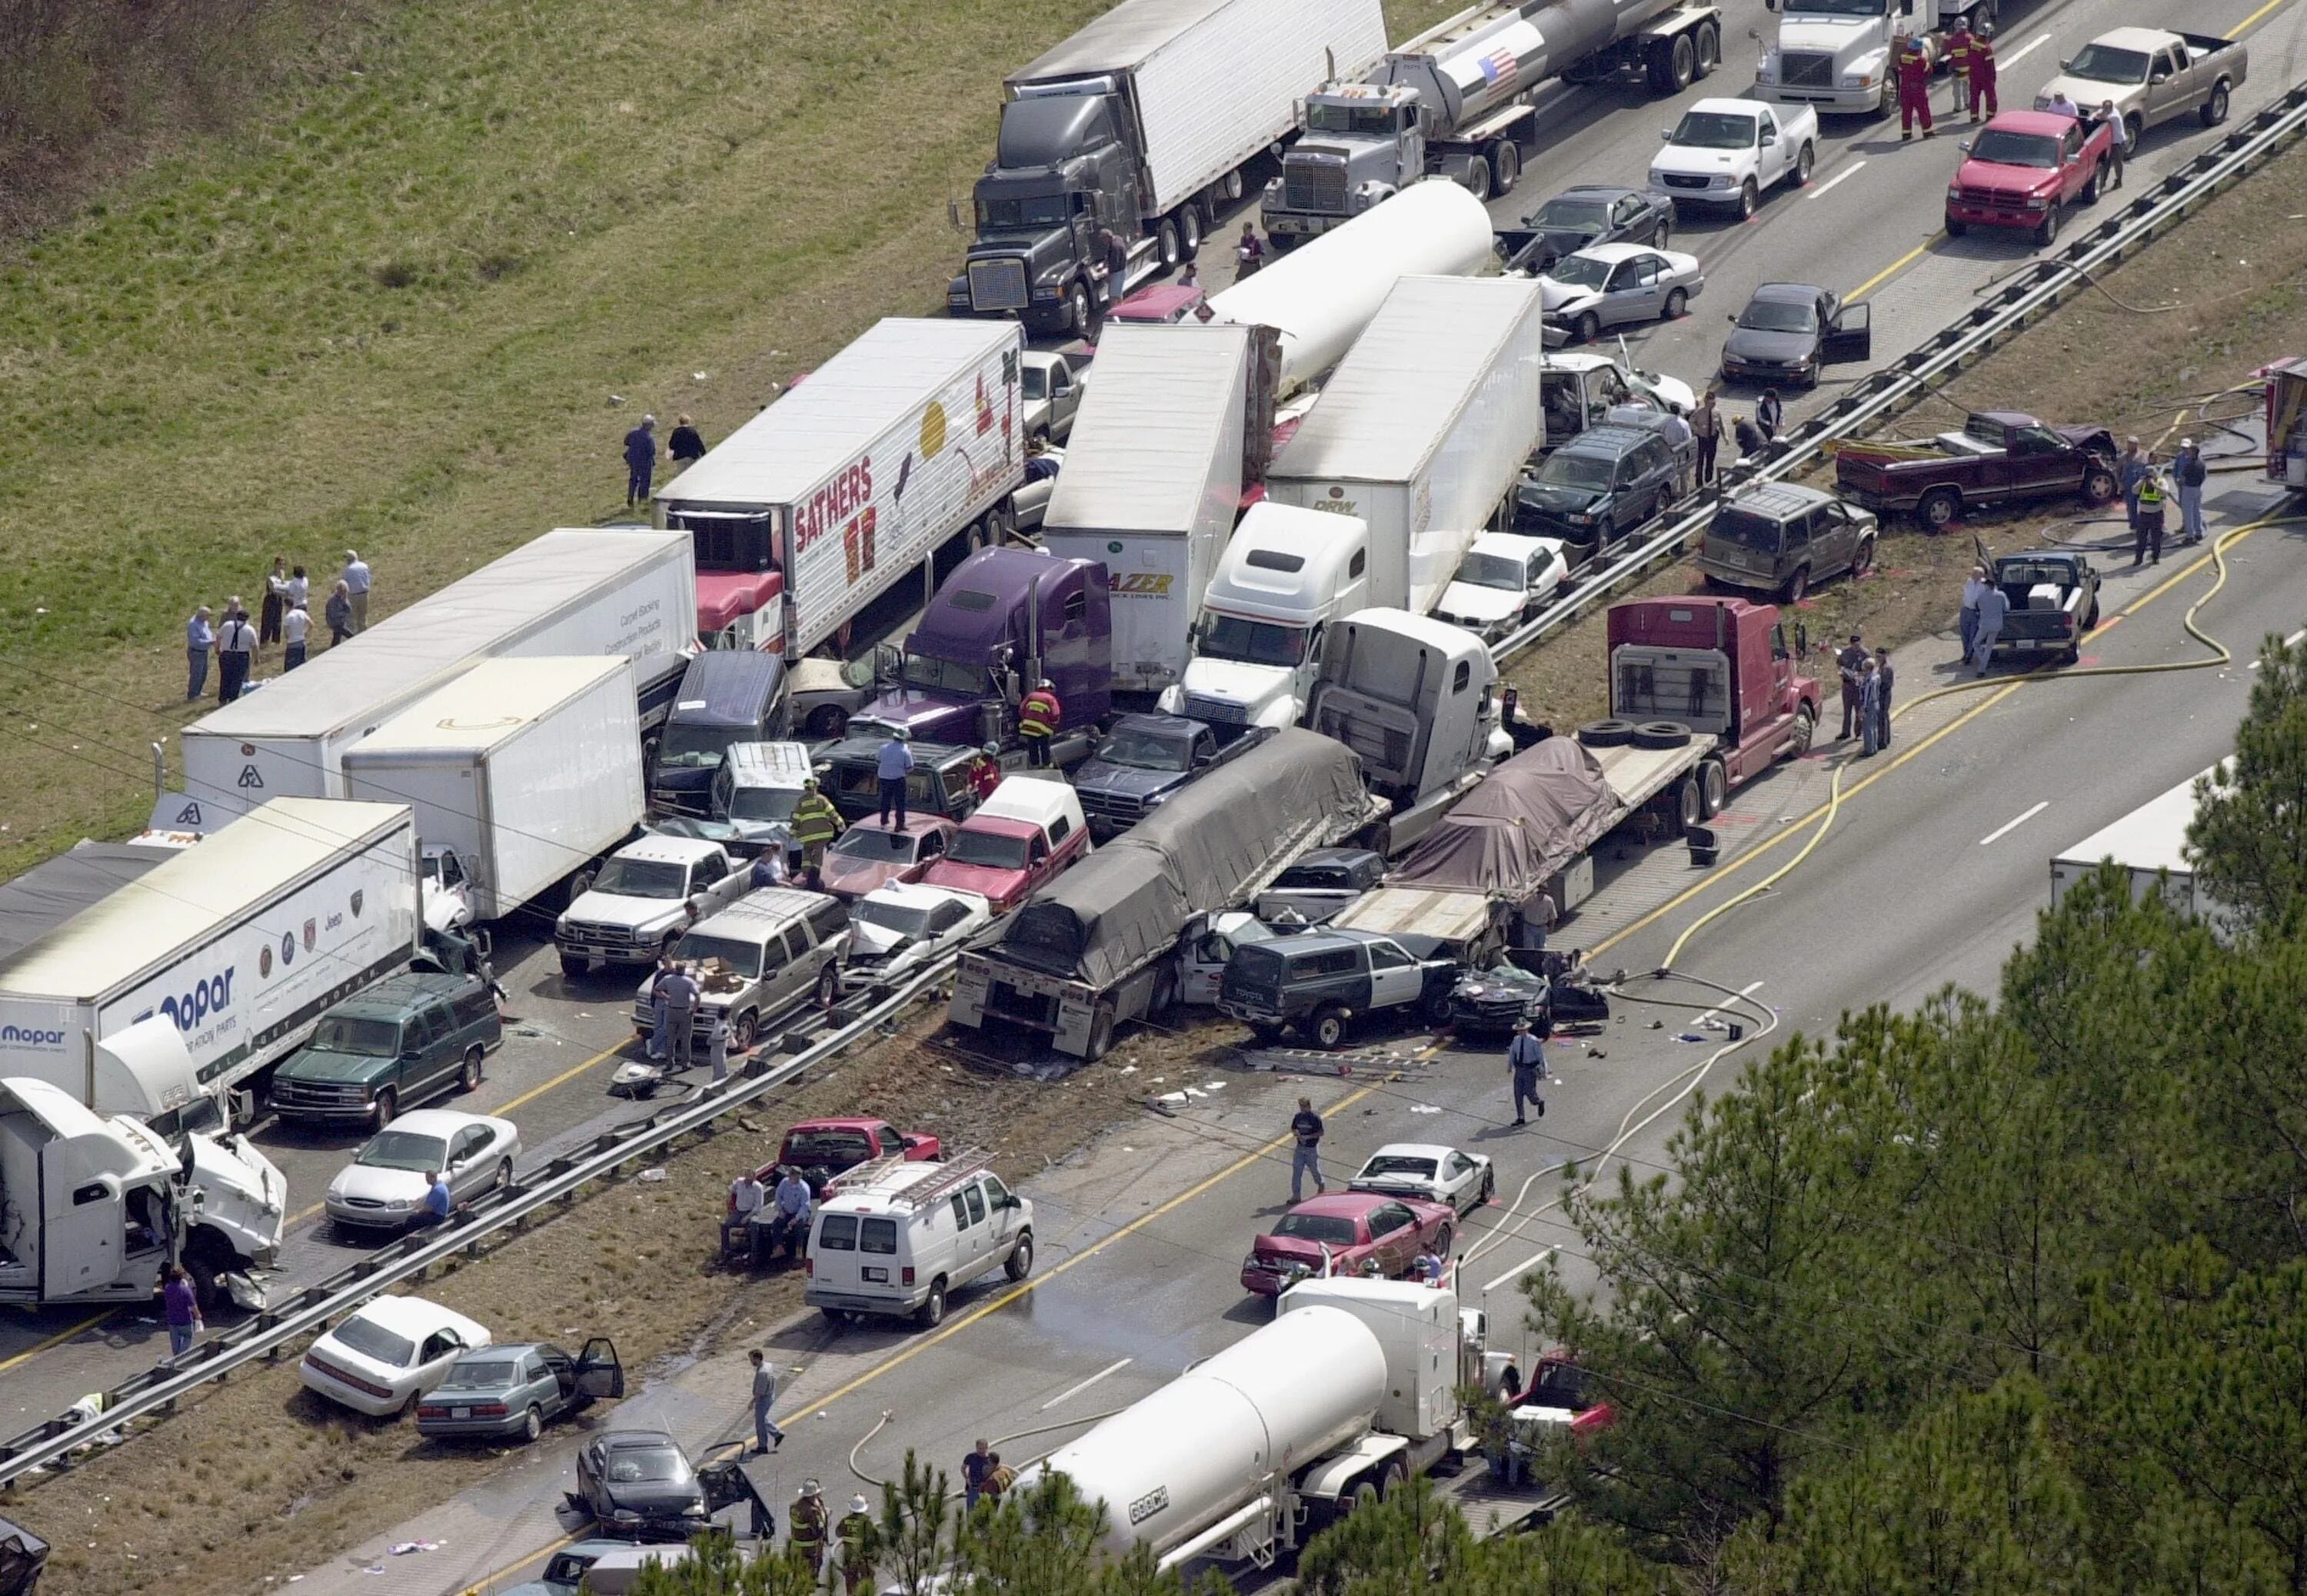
x,y
905,1275
344,1379
809,1268
432,1410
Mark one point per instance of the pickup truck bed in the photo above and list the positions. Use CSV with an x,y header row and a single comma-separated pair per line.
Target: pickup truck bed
x,y
2053,602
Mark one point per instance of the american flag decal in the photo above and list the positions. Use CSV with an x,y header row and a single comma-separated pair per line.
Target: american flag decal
x,y
1499,66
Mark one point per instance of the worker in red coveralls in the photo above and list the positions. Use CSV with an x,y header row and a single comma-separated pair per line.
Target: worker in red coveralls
x,y
1959,45
1982,70
1914,88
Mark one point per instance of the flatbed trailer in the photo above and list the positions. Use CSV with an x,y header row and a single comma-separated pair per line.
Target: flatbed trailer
x,y
1639,775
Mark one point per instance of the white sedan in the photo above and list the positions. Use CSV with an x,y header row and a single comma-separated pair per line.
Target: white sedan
x,y
1503,580
1438,1173
1608,284
383,1187
388,1354
903,925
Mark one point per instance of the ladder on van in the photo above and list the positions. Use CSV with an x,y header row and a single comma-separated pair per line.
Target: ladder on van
x,y
957,1169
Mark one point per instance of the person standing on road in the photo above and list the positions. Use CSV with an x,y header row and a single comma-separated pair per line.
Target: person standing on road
x,y
1994,606
1914,70
235,648
1770,414
1973,589
1305,1152
815,822
717,1045
860,1546
1248,254
640,461
1884,674
892,764
357,580
809,1525
1526,1057
660,1041
2147,541
181,1304
974,1470
681,991
295,628
1851,663
1706,431
767,1437
200,643
1982,70
686,446
276,597
1038,719
1870,708
2190,474
1958,47
2131,471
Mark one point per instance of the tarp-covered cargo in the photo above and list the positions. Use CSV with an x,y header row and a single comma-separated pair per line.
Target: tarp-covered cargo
x,y
1206,850
1527,819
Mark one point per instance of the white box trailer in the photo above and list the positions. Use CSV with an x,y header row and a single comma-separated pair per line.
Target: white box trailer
x,y
521,771
574,591
2150,843
243,941
847,484
1152,483
1424,428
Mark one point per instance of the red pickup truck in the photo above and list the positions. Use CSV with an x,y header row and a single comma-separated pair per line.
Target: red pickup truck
x,y
2024,167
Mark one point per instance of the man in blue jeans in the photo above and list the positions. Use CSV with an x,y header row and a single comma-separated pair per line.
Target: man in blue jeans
x,y
1305,1159
182,1306
892,765
1526,1057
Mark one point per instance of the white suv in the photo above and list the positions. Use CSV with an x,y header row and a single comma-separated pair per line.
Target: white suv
x,y
645,894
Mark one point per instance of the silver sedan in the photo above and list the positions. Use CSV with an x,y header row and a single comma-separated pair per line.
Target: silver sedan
x,y
1443,1174
1611,284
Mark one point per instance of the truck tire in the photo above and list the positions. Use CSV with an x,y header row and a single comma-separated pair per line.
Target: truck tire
x,y
2100,484
1806,729
1955,228
1266,1035
1434,1009
469,1078
1327,1029
1863,560
1021,1257
1078,312
2134,128
2097,184
1690,804
1750,199
1660,734
1795,585
826,723
2215,109
573,965
2047,233
1505,166
1939,510
829,986
1101,1037
1163,1001
1803,163
742,1035
1709,48
931,1314
1189,228
1478,178
387,1105
1606,734
1165,241
1714,789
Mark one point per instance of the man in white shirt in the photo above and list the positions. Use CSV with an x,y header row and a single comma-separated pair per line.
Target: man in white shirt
x,y
746,1195
355,578
236,646
294,624
300,589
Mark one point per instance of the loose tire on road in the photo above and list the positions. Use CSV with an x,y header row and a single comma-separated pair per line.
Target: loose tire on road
x,y
1659,734
1606,734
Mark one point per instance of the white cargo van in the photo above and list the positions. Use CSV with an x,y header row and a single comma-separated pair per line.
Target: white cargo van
x,y
902,1237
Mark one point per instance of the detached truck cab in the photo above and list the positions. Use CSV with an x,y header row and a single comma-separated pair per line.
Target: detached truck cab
x,y
725,697
1721,670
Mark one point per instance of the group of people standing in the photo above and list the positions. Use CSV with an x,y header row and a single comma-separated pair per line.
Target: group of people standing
x,y
685,448
1753,433
2148,486
284,617
1868,680
1970,59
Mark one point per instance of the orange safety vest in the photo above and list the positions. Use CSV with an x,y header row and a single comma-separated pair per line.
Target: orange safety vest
x,y
1038,714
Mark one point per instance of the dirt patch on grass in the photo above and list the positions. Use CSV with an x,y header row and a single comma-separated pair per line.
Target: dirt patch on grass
x,y
2236,273
258,1475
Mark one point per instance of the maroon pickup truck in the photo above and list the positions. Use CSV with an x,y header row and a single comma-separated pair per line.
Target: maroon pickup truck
x,y
1999,458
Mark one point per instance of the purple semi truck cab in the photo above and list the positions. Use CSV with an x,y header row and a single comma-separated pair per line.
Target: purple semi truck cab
x,y
970,659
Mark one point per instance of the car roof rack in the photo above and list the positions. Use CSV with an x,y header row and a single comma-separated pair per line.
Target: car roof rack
x,y
958,1168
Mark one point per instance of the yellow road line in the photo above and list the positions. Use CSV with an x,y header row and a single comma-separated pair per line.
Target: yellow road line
x,y
1794,827
58,1339
2238,29
534,1092
1900,264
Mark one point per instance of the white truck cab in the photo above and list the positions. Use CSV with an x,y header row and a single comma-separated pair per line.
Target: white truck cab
x,y
1833,56
1285,575
757,786
901,1236
645,895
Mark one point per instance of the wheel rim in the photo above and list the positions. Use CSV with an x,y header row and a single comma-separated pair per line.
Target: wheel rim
x,y
1589,327
387,1105
1478,178
1166,236
473,1071
1747,198
1685,62
534,1425
1805,728
1674,301
741,1034
1939,510
504,1174
1327,1031
1189,231
1710,49
1864,561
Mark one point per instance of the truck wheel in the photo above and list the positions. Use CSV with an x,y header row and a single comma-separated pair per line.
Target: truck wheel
x,y
743,1033
1434,1009
1505,165
1589,327
1328,1029
1863,560
1021,1257
388,1103
2047,233
1078,311
206,1292
1690,804
1750,199
931,1314
1939,508
1101,1037
826,723
1478,178
1795,585
1954,228
1189,229
1660,734
2090,621
469,1078
1713,788
829,986
2097,182
2099,485
1265,1036
2215,109
1805,729
1165,241
573,965
1606,734
1164,1000
2134,128
1710,49
1802,164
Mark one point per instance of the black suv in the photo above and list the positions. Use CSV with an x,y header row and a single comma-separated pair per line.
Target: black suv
x,y
402,1041
1318,982
1596,487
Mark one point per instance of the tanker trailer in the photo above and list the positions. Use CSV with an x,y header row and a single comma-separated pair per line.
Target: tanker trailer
x,y
1350,1389
1456,102
1320,298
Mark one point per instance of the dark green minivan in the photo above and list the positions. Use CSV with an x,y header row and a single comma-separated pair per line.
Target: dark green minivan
x,y
406,1040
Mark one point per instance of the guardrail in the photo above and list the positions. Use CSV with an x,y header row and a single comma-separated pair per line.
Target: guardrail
x,y
2031,291
309,1308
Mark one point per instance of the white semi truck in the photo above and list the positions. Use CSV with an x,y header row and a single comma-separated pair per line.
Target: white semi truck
x,y
1248,1454
1180,421
521,773
2150,844
241,942
1319,299
1425,428
1456,102
574,591
911,437
1837,56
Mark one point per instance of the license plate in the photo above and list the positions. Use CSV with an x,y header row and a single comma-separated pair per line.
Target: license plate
x,y
460,1413
2024,643
880,1275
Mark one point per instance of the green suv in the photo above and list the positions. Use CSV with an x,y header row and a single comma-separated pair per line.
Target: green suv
x,y
401,1041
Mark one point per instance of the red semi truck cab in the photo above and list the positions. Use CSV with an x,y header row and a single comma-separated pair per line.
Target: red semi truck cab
x,y
1722,667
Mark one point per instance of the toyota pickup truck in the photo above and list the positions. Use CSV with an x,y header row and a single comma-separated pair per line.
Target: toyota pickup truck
x,y
2053,595
1999,458
2152,76
2026,167
1146,760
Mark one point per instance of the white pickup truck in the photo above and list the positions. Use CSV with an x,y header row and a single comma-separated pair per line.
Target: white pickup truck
x,y
2152,76
1725,152
646,894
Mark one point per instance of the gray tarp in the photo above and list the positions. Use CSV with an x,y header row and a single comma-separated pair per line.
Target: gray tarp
x,y
51,892
1523,821
1203,852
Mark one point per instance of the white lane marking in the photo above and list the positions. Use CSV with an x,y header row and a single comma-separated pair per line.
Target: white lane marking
x,y
1522,1268
2009,826
1072,1391
2024,50
1820,192
1747,991
2290,642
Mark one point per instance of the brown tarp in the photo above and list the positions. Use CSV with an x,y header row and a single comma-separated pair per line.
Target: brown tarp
x,y
1525,820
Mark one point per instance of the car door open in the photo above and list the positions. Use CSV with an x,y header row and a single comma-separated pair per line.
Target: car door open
x,y
599,1374
1849,337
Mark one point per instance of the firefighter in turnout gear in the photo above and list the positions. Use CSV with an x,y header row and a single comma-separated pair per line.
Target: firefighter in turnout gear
x,y
1914,88
809,1525
1037,722
815,822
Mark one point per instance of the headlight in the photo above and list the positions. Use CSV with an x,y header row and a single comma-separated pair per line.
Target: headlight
x,y
2038,202
561,927
1858,80
1580,520
1719,180
1954,190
